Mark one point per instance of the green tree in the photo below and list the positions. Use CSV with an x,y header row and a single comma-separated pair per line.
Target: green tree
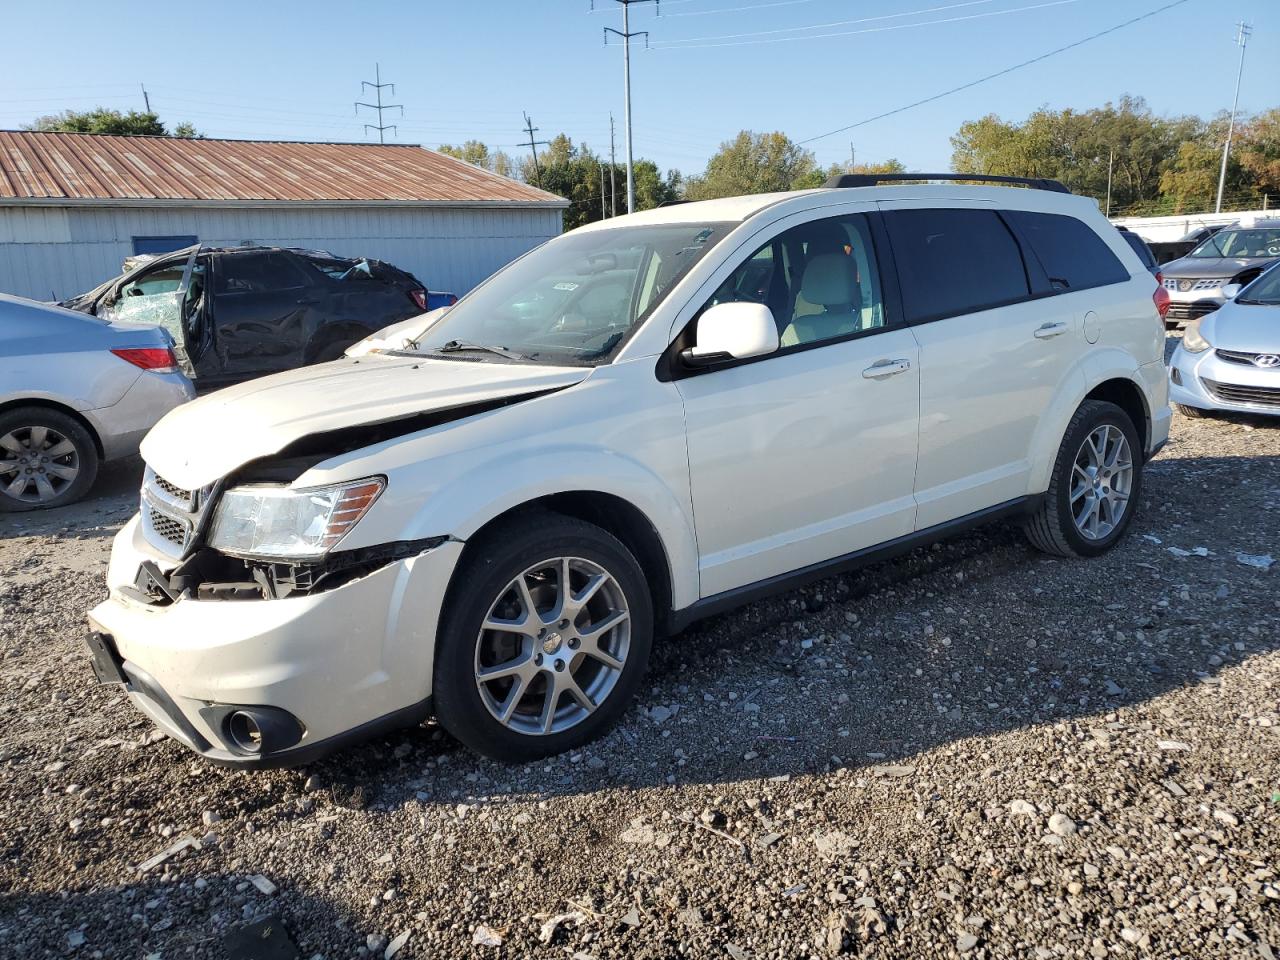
x,y
478,154
103,120
753,163
1259,151
817,177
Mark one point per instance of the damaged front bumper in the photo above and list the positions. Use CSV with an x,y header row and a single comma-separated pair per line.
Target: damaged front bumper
x,y
261,682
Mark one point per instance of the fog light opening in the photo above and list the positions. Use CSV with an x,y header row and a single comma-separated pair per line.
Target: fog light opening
x,y
1176,376
244,731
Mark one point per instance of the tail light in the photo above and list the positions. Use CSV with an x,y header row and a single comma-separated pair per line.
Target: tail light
x,y
419,297
159,359
1161,296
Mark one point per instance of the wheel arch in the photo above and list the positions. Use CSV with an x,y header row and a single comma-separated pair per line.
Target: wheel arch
x,y
74,414
1128,396
617,516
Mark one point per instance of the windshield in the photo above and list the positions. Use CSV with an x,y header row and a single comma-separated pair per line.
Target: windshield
x,y
575,299
1259,242
1266,289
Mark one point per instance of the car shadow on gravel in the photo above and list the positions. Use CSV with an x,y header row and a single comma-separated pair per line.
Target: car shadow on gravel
x,y
868,670
157,918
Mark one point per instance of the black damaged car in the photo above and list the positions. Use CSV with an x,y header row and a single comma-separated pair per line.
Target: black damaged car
x,y
242,312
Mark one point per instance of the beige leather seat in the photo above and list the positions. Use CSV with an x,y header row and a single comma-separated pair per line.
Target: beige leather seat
x,y
830,279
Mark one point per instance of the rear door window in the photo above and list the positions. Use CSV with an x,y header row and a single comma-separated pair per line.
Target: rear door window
x,y
954,261
1073,256
257,273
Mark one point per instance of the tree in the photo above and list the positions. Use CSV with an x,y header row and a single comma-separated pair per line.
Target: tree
x,y
1259,151
103,120
818,177
478,154
753,163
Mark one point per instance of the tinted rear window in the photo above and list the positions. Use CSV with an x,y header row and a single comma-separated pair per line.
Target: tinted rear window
x,y
1140,247
1073,256
955,261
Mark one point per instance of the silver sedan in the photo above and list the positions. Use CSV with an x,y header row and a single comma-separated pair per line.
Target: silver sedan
x,y
75,391
1229,360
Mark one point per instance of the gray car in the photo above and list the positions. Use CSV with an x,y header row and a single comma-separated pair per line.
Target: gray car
x,y
1236,254
1229,360
75,391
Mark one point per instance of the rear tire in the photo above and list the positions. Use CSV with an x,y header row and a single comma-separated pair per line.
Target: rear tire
x,y
47,459
583,651
1083,513
1192,413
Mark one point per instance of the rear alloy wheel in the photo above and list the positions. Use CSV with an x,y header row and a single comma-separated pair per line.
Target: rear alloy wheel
x,y
545,640
47,459
1094,489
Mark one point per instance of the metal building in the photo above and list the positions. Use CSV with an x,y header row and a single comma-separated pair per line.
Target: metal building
x,y
73,206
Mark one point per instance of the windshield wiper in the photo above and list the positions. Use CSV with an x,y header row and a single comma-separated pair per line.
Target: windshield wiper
x,y
458,346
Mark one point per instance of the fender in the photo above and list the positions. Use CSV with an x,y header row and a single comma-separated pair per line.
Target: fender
x,y
624,440
1098,366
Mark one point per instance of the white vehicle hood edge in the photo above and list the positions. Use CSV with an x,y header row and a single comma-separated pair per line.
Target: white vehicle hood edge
x,y
203,441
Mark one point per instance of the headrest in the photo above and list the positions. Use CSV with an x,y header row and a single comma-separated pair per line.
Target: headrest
x,y
830,279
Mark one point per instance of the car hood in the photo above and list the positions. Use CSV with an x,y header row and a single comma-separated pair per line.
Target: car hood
x,y
1209,268
208,438
1245,327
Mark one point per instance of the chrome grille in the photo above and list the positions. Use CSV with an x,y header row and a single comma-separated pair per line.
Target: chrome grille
x,y
173,491
1250,359
167,528
1241,393
171,515
1187,284
1189,311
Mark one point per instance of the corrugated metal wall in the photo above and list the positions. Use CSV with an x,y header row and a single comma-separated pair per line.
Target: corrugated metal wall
x,y
56,252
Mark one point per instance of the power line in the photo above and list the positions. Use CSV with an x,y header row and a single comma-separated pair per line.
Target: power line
x,y
823,26
379,106
690,45
743,9
1000,73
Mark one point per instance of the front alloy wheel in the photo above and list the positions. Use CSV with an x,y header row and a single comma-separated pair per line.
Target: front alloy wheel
x,y
552,646
544,639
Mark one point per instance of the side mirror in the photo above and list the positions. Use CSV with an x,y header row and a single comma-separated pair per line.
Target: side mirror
x,y
1232,290
732,331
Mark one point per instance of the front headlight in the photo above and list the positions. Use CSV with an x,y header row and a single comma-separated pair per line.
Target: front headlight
x,y
281,523
1193,340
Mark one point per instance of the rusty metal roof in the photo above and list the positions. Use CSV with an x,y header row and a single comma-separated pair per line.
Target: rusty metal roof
x,y
89,168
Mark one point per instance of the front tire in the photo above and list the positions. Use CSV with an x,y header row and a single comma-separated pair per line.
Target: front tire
x,y
545,638
47,459
1095,487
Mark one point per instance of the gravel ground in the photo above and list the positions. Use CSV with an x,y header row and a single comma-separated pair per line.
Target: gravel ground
x,y
972,751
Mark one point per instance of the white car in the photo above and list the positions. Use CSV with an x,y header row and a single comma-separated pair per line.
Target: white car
x,y
489,519
1229,360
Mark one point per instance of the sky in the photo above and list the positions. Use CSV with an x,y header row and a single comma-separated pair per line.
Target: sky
x,y
472,68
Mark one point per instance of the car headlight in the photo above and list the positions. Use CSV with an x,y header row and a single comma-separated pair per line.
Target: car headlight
x,y
1193,340
281,523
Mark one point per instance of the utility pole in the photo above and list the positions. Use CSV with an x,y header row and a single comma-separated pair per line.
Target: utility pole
x,y
1111,159
626,35
604,214
145,98
613,165
1243,32
377,85
852,161
533,145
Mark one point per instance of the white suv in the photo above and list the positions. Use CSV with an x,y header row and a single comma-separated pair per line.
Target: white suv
x,y
489,513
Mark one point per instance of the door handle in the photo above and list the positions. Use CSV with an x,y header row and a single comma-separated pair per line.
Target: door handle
x,y
1047,330
883,369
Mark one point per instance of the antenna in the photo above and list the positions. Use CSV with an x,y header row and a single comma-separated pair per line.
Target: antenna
x,y
377,86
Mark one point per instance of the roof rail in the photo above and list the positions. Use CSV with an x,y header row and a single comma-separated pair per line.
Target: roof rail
x,y
871,179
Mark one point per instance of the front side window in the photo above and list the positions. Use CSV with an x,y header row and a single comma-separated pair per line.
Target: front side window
x,y
955,261
1073,256
575,299
1257,242
818,279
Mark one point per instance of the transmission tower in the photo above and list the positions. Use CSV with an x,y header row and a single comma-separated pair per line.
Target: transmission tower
x,y
378,86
